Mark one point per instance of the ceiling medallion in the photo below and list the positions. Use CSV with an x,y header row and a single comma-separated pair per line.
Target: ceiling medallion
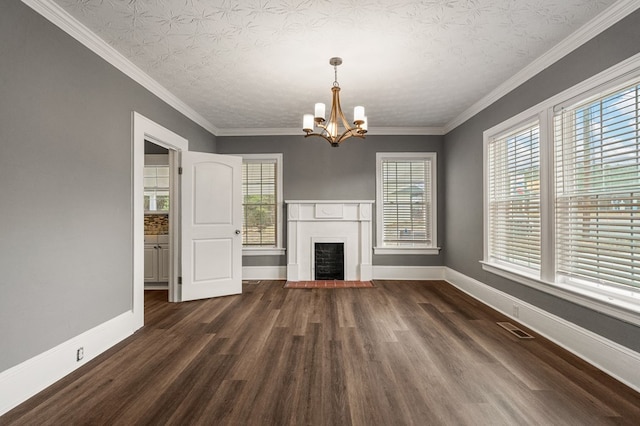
x,y
331,130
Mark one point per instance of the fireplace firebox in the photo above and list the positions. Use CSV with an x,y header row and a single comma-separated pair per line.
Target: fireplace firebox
x,y
329,261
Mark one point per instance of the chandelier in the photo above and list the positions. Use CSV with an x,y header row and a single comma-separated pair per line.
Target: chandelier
x,y
330,130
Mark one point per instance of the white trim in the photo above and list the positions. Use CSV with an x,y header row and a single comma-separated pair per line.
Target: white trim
x,y
591,29
156,286
328,202
264,272
612,358
24,380
406,131
406,250
373,131
263,251
61,18
143,128
382,272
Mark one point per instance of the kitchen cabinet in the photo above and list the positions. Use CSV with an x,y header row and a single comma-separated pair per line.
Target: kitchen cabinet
x,y
156,258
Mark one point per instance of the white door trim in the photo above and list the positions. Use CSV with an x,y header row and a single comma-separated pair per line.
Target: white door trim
x,y
142,129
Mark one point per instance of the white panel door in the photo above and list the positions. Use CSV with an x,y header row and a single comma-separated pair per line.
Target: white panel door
x,y
211,223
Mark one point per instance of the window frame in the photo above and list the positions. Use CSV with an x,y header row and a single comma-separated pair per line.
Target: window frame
x,y
509,132
278,250
422,249
613,300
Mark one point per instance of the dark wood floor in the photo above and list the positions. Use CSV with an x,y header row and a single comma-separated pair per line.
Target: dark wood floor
x,y
414,353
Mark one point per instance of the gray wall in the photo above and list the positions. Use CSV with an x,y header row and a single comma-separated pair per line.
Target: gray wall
x,y
65,184
313,170
463,160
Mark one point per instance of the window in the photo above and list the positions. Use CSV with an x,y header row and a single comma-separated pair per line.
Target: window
x,y
562,195
156,188
598,189
406,203
262,204
514,198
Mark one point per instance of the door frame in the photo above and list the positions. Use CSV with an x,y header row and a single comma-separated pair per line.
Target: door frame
x,y
146,129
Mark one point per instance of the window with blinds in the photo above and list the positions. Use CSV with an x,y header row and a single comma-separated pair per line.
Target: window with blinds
x,y
597,175
407,196
156,188
514,198
259,204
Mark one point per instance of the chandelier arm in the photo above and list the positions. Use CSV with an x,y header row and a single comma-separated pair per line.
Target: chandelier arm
x,y
320,135
324,131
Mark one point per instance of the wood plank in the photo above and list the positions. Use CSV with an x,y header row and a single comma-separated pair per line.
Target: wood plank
x,y
403,352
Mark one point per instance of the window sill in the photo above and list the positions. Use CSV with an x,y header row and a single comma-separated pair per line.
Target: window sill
x,y
623,304
407,250
263,251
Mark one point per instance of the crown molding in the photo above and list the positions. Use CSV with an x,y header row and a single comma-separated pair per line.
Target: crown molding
x,y
260,131
597,25
67,23
406,131
374,131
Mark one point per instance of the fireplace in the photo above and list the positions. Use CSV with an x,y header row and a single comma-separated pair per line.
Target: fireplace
x,y
346,223
329,261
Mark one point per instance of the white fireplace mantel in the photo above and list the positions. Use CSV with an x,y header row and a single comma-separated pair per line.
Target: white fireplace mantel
x,y
327,221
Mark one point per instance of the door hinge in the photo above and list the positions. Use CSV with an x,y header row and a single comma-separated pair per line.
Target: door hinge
x,y
179,280
179,170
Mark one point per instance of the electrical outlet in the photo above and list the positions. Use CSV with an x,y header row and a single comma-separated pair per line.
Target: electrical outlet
x,y
516,311
79,354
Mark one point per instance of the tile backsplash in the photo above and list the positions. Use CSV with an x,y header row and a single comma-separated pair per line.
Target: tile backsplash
x,y
156,224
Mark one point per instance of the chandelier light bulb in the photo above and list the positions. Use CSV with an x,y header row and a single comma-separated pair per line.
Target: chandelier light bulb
x,y
307,123
320,111
358,115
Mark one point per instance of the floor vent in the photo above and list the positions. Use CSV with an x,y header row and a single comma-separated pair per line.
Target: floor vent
x,y
515,330
253,282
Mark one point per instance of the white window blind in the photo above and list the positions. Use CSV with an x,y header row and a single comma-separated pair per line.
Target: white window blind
x,y
406,202
259,206
597,173
156,188
514,198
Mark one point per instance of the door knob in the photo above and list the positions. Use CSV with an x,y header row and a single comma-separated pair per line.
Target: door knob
x,y
237,232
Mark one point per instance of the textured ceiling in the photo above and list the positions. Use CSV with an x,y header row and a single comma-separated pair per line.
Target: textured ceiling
x,y
260,64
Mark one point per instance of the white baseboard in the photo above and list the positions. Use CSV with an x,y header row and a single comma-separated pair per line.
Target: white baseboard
x,y
381,272
264,272
614,359
26,379
157,286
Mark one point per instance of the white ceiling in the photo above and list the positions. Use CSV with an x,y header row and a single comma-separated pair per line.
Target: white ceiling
x,y
257,65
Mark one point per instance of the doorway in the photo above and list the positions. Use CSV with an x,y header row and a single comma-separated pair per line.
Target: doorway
x,y
147,130
157,232
206,219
